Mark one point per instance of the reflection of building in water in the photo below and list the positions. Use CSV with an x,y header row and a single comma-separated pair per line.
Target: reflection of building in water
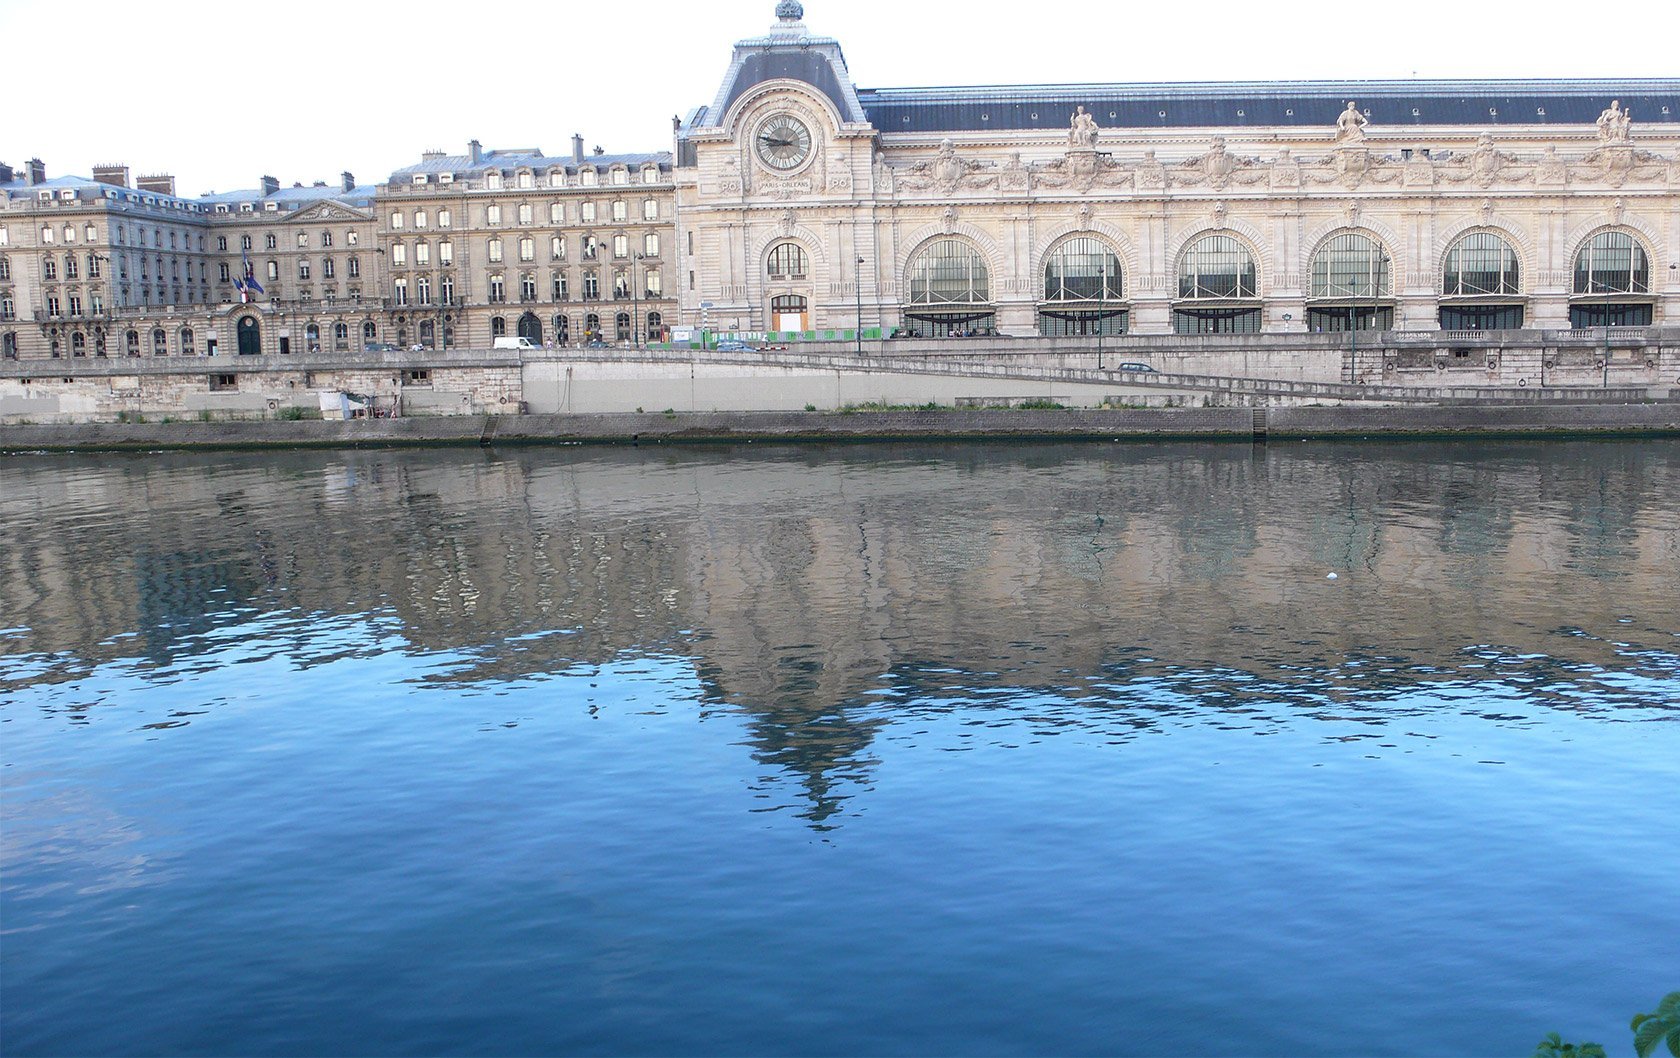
x,y
805,584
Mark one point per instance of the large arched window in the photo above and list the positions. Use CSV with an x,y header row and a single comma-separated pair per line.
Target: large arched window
x,y
1612,262
1083,286
787,261
1481,264
950,292
1611,268
949,272
1480,280
1214,269
160,342
1350,281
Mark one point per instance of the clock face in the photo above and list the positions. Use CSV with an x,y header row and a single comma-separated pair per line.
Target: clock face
x,y
783,142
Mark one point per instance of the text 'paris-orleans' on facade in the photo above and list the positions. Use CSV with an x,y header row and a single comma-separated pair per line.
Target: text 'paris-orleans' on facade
x,y
796,201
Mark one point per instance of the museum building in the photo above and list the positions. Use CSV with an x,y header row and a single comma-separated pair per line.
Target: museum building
x,y
807,203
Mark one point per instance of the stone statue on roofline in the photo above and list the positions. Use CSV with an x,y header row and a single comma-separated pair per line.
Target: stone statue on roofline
x,y
1350,126
1082,130
1613,123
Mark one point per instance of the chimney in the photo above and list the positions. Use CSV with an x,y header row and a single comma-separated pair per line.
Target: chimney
x,y
270,186
6,173
158,184
347,181
577,148
116,175
475,152
600,149
37,171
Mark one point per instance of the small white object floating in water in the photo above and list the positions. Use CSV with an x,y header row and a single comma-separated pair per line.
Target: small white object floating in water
x,y
1331,577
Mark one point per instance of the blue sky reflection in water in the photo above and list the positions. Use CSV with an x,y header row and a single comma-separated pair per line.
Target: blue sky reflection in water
x,y
1002,749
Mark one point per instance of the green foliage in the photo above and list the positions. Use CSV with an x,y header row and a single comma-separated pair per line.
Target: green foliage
x,y
204,415
1664,1025
1554,1047
290,413
670,413
1039,405
130,416
810,407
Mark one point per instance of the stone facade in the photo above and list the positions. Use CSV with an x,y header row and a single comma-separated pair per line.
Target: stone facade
x,y
1276,208
450,253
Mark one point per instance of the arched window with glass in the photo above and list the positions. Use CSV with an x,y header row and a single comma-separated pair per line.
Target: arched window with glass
x,y
1083,290
187,342
1351,288
1612,283
1481,284
160,342
950,292
787,260
1218,288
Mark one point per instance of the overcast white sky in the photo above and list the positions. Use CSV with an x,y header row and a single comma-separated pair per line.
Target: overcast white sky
x,y
219,92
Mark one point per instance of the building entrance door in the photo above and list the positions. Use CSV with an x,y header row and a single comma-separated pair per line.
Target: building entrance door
x,y
788,313
250,336
531,327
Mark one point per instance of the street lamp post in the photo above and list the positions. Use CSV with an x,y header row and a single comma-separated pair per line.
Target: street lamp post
x,y
857,284
1102,290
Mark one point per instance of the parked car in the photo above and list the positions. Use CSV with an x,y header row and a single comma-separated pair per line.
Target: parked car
x,y
1133,367
510,342
734,345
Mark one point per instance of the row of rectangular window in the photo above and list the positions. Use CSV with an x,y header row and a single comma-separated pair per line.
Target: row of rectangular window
x,y
494,180
525,213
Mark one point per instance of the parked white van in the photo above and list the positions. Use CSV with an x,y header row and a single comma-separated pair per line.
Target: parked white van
x,y
516,343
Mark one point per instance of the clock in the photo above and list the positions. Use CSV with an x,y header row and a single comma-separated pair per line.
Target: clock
x,y
783,142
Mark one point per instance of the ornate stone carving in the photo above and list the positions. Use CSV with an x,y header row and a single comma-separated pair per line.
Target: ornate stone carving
x,y
948,220
1216,167
1082,131
1617,163
1084,217
1418,171
1551,171
788,220
839,177
729,181
1151,173
1014,176
1286,171
1614,123
947,172
1350,126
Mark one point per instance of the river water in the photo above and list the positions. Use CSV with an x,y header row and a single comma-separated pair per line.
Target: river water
x,y
1005,749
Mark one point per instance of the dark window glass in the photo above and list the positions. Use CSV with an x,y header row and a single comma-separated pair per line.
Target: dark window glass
x,y
1609,316
1342,317
1216,321
1481,317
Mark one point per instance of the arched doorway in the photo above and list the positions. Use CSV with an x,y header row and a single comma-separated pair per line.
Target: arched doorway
x,y
530,327
250,336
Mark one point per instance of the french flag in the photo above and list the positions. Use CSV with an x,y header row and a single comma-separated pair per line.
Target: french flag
x,y
248,284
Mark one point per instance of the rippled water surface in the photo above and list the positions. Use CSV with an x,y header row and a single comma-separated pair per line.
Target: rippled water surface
x,y
878,750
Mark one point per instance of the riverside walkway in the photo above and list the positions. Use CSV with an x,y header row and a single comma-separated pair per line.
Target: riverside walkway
x,y
988,363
